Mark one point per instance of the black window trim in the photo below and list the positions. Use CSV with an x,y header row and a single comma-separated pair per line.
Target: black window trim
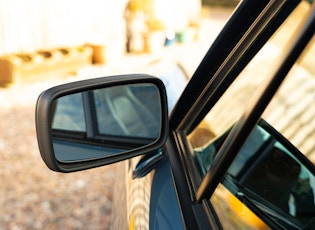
x,y
205,86
272,18
257,105
180,119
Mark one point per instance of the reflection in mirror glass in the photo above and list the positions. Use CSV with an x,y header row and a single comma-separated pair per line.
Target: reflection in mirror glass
x,y
128,111
105,122
68,152
68,114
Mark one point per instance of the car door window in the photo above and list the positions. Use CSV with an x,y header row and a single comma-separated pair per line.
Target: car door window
x,y
233,213
270,179
232,103
290,112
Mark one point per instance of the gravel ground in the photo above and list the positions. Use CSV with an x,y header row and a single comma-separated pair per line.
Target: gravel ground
x,y
32,196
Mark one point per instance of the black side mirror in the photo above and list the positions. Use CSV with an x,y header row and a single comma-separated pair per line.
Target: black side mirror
x,y
100,121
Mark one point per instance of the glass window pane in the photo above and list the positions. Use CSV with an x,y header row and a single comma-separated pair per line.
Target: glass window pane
x,y
292,110
233,213
231,105
292,114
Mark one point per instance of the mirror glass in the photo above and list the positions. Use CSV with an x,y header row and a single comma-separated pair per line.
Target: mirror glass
x,y
68,113
105,122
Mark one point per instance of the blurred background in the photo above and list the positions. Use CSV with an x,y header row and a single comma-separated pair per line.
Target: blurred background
x,y
41,36
45,43
32,25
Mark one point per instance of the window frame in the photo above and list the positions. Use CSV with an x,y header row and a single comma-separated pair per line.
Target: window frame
x,y
257,106
206,87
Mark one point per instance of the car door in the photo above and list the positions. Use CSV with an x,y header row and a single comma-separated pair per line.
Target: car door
x,y
241,26
219,142
221,106
144,196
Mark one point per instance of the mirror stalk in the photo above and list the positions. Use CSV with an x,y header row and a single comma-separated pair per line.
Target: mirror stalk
x,y
146,164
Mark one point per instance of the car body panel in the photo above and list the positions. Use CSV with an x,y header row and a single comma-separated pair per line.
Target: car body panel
x,y
150,202
164,209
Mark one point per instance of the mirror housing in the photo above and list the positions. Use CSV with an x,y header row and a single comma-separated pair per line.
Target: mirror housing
x,y
67,149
